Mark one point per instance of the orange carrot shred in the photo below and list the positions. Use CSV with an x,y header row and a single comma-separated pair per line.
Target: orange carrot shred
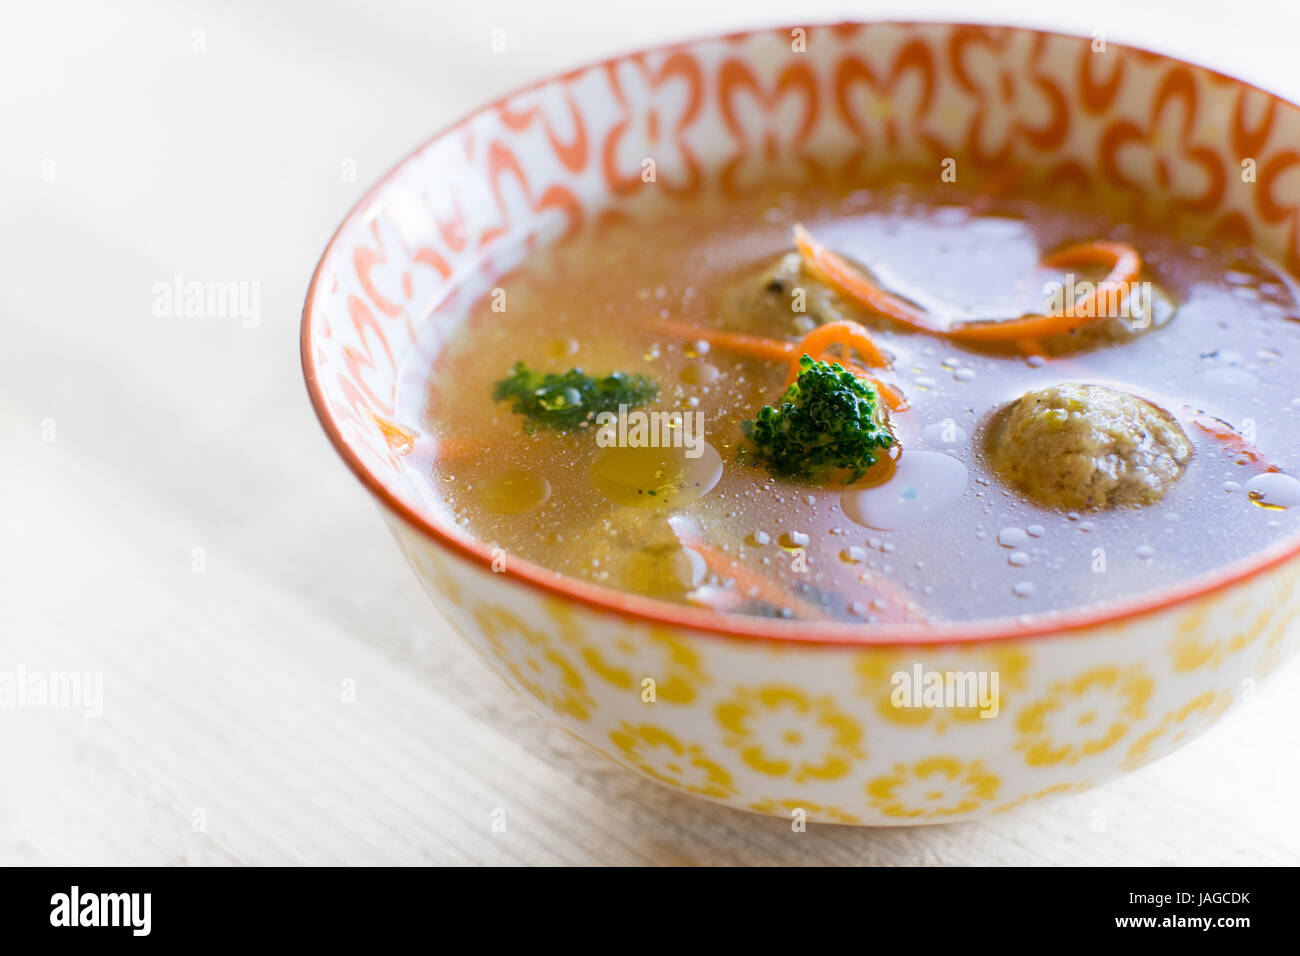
x,y
846,334
894,399
1233,439
400,440
841,273
1125,265
1124,262
753,345
749,582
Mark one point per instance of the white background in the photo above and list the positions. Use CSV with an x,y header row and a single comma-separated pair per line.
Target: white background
x,y
127,157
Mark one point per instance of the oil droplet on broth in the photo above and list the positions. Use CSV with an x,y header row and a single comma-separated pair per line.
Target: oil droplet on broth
x,y
562,348
1013,537
793,540
655,477
1273,490
881,471
924,485
700,373
513,492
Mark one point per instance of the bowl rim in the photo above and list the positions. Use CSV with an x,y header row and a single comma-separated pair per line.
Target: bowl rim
x,y
750,628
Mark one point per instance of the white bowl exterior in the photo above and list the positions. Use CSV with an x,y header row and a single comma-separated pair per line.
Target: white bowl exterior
x,y
727,711
750,722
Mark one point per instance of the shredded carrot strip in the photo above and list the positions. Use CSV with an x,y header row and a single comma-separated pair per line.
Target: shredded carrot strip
x,y
400,440
777,351
846,334
1125,265
750,583
1229,436
894,400
753,345
1124,262
839,272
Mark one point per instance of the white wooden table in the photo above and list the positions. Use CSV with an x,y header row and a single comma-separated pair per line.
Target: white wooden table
x,y
276,689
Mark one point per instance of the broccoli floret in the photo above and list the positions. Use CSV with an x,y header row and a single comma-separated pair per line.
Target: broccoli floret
x,y
570,399
828,419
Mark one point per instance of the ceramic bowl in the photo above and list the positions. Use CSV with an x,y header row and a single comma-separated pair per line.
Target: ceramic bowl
x,y
775,716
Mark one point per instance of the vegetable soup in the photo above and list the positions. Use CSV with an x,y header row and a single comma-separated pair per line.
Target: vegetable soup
x,y
874,405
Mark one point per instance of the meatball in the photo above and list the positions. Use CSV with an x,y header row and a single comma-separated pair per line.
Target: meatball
x,y
1145,312
1087,447
637,550
765,300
